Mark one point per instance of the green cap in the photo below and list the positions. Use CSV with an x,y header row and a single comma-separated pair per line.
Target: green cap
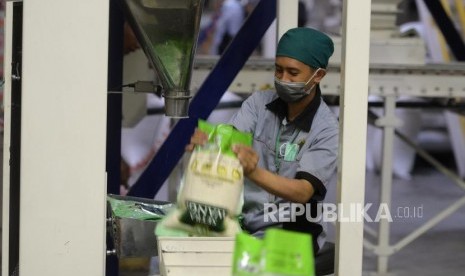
x,y
306,45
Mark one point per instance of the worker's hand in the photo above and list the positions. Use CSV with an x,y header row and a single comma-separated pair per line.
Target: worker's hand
x,y
130,41
198,138
247,156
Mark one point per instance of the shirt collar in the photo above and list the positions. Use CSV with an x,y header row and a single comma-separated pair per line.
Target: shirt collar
x,y
305,119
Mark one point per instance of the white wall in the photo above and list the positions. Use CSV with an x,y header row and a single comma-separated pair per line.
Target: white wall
x,y
63,183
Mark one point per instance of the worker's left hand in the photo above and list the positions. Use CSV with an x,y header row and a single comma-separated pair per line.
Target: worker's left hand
x,y
247,157
198,138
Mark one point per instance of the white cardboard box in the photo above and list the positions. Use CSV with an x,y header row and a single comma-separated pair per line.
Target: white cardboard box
x,y
202,256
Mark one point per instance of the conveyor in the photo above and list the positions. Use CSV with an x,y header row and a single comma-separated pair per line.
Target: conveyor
x,y
429,80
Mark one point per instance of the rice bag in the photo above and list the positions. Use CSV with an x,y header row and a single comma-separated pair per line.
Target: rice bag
x,y
210,198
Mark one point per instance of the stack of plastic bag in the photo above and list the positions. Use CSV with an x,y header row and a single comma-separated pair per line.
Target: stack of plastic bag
x,y
138,208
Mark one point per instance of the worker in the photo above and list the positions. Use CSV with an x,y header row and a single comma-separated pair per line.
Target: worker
x,y
227,23
295,146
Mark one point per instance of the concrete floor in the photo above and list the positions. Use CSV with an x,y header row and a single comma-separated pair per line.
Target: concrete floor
x,y
440,251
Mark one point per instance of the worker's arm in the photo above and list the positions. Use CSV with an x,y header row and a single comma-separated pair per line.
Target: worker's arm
x,y
294,190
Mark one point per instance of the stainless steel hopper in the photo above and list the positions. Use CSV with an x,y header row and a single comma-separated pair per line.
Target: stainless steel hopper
x,y
167,31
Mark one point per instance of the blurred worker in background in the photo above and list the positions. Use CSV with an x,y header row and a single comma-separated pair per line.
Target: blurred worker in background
x,y
295,145
302,14
226,22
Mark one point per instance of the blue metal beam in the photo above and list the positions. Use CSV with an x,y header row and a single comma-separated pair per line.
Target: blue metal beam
x,y
447,27
206,99
114,116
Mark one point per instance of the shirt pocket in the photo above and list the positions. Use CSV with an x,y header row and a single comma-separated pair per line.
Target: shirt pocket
x,y
288,168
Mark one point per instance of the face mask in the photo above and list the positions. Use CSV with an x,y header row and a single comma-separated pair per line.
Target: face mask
x,y
293,91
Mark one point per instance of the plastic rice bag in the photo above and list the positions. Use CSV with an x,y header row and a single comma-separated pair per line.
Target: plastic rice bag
x,y
247,255
210,198
279,253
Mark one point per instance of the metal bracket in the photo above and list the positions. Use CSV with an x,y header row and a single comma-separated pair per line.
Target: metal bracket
x,y
389,121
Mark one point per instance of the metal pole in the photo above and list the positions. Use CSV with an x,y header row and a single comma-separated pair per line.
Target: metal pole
x,y
11,146
114,115
287,13
388,122
353,127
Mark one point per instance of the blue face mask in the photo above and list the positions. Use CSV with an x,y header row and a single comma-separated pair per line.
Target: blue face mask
x,y
291,92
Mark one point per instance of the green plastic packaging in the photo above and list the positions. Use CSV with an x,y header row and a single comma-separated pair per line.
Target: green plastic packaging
x,y
279,253
287,253
138,210
222,137
247,255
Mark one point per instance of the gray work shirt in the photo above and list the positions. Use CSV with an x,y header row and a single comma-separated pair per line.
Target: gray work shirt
x,y
315,135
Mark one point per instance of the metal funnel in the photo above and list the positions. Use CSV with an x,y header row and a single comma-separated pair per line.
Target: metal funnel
x,y
167,30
